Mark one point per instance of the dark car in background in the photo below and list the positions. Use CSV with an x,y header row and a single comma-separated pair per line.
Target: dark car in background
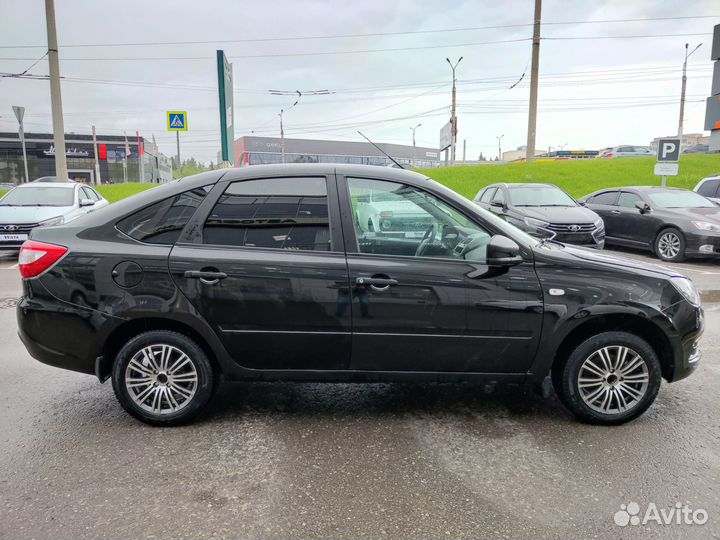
x,y
263,273
673,223
544,211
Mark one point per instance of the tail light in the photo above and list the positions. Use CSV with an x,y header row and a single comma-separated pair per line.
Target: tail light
x,y
36,257
608,155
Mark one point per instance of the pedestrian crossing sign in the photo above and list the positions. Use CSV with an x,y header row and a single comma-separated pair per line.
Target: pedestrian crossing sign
x,y
177,121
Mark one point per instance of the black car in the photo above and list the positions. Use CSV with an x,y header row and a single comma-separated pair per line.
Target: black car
x,y
544,211
672,223
262,273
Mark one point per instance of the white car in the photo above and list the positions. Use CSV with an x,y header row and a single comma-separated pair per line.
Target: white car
x,y
43,203
710,188
627,151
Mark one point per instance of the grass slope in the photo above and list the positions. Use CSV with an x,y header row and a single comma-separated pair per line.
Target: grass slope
x,y
578,177
115,192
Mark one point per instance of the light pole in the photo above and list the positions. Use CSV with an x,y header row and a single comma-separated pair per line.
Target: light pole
x,y
499,139
299,95
534,69
19,113
682,91
413,130
562,146
55,97
453,118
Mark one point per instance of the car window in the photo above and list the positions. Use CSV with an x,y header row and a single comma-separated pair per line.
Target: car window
x,y
641,150
628,200
487,196
39,196
412,222
162,222
625,149
88,193
607,197
709,188
540,196
279,213
499,196
679,199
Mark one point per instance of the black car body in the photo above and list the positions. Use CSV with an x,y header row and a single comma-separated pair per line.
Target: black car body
x,y
544,211
261,273
673,223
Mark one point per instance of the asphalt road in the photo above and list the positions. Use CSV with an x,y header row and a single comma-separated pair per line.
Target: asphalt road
x,y
346,461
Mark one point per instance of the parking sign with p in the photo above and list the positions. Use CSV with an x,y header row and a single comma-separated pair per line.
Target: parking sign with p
x,y
668,150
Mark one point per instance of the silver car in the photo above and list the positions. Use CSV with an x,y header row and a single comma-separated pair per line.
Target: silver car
x,y
627,151
710,188
40,204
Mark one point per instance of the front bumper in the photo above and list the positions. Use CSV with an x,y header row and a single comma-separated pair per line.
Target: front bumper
x,y
687,352
702,245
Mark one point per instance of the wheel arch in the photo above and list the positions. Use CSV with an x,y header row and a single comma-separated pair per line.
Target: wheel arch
x,y
125,331
617,322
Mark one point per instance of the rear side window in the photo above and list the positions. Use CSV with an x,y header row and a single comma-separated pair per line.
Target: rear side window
x,y
499,196
162,222
605,198
279,213
709,188
88,193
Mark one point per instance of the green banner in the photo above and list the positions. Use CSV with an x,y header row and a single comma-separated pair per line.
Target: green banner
x,y
227,125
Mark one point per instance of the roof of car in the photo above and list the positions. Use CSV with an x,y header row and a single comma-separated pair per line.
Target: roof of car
x,y
520,184
68,185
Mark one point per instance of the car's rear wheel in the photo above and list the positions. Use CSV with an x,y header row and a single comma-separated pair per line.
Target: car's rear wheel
x,y
670,245
610,378
163,378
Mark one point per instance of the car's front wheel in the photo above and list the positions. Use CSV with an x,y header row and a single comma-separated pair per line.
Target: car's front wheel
x,y
670,245
163,378
610,378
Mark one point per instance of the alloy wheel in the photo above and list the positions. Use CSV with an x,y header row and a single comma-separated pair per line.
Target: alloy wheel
x,y
669,245
161,379
613,379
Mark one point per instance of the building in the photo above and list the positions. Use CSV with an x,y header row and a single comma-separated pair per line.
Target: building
x,y
137,160
688,139
258,150
519,153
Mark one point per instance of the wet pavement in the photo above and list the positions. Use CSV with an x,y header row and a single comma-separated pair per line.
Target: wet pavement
x,y
347,461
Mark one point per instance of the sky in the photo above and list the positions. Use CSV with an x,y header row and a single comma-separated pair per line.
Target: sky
x,y
125,63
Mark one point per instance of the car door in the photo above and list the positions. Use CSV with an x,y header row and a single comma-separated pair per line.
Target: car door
x,y
604,204
629,223
266,269
431,310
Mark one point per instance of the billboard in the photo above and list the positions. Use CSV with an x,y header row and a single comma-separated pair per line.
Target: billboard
x,y
446,136
225,92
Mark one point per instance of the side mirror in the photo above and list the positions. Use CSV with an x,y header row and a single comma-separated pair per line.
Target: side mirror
x,y
582,203
502,251
642,206
497,204
86,202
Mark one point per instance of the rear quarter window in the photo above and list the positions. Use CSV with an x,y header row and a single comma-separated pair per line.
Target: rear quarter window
x,y
163,221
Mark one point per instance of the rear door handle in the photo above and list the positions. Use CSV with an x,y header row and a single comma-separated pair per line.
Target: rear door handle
x,y
616,212
205,275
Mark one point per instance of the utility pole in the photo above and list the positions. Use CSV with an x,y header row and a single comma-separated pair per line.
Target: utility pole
x,y
413,131
178,155
55,96
532,115
19,114
682,92
499,140
98,180
453,118
282,137
464,148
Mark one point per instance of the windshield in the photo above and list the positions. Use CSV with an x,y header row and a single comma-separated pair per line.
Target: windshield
x,y
540,196
39,196
679,199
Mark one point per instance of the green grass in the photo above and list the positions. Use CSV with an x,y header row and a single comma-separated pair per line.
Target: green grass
x,y
577,177
115,192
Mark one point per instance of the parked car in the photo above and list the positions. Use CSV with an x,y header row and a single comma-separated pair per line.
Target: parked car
x,y
377,212
262,273
41,203
697,149
627,151
672,223
544,211
709,187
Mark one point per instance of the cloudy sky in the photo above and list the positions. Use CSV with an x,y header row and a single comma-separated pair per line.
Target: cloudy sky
x,y
127,62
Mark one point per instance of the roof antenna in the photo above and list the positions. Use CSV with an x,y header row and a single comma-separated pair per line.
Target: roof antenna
x,y
383,151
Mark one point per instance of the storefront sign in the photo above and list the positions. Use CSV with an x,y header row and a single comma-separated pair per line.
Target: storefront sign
x,y
69,152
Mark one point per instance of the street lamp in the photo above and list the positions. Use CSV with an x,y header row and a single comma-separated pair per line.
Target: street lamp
x,y
413,130
453,119
682,91
499,139
299,95
562,146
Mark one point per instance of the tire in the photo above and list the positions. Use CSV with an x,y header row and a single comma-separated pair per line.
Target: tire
x,y
636,386
669,245
172,370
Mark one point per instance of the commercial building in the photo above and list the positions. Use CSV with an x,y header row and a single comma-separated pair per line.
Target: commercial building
x,y
137,160
688,139
257,150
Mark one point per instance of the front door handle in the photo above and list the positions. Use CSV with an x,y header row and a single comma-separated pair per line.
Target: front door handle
x,y
616,212
206,276
376,283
